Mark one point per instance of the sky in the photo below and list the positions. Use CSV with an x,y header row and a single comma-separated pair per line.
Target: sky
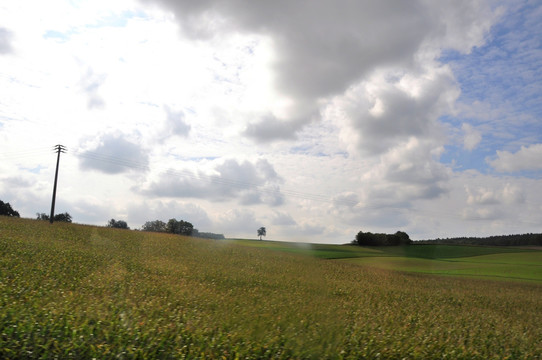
x,y
315,119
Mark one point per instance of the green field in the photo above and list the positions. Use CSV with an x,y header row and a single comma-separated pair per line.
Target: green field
x,y
505,263
74,291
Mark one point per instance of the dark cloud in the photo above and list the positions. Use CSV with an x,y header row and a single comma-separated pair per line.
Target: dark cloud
x,y
250,183
114,155
5,41
270,128
390,113
322,48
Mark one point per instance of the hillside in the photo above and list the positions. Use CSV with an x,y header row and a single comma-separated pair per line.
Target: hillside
x,y
75,291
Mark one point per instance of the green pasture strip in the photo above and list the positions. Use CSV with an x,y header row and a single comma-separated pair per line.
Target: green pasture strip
x,y
325,251
79,292
322,251
512,266
446,251
530,257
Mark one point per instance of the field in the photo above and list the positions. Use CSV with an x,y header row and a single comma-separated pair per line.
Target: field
x,y
74,291
504,263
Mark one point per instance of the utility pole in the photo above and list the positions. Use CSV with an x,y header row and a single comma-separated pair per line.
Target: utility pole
x,y
59,149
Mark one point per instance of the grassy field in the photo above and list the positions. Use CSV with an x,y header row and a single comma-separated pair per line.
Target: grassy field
x,y
498,263
73,291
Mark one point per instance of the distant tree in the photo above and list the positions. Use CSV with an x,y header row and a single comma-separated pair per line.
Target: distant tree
x,y
180,227
42,216
207,235
154,226
119,224
262,232
64,217
7,210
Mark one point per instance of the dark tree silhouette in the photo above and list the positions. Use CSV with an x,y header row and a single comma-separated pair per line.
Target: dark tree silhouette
x,y
180,227
262,232
64,217
119,224
7,210
370,239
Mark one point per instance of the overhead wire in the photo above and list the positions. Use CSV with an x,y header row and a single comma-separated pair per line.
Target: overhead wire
x,y
242,185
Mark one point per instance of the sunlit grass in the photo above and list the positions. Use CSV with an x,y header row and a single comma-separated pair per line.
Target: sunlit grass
x,y
71,291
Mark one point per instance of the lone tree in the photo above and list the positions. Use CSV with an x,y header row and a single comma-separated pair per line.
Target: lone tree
x,y
7,210
261,232
119,224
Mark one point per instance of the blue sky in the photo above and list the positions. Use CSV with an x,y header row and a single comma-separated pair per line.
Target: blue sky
x,y
505,75
314,121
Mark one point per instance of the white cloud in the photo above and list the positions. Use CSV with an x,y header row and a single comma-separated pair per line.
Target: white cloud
x,y
5,41
250,183
527,158
472,137
113,154
345,100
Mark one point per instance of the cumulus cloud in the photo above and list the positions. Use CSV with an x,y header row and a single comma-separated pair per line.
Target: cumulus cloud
x,y
408,172
150,210
5,41
527,158
113,154
249,183
508,194
323,48
393,106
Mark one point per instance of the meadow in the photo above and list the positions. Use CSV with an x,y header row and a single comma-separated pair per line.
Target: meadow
x,y
75,291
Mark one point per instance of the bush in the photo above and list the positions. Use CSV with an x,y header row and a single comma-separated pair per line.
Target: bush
x,y
118,224
7,210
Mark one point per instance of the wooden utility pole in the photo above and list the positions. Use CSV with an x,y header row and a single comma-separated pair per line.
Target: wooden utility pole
x,y
59,149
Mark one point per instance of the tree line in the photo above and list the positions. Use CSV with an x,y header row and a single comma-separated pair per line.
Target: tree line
x,y
180,227
498,240
173,226
370,239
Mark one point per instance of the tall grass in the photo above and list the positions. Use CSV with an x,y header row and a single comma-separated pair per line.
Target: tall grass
x,y
71,291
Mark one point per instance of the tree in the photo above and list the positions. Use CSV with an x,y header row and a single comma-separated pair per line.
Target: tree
x,y
154,226
118,224
7,210
262,232
64,217
404,239
42,216
180,227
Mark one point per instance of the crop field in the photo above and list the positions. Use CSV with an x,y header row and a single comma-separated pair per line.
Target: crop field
x,y
74,291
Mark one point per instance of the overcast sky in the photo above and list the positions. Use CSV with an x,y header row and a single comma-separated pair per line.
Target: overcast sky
x,y
316,119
